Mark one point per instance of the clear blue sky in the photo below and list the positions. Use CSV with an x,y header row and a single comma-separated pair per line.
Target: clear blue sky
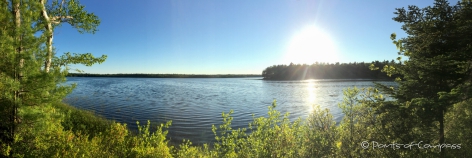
x,y
233,37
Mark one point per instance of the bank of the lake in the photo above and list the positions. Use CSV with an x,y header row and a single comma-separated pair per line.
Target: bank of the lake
x,y
194,104
65,131
143,75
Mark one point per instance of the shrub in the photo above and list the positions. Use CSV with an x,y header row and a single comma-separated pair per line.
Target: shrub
x,y
62,131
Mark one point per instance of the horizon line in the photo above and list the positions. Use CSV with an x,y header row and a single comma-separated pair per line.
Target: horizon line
x,y
155,74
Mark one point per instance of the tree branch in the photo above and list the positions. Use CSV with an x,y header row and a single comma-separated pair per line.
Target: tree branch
x,y
59,19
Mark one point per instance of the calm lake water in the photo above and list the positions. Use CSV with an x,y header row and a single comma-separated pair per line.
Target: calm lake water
x,y
195,104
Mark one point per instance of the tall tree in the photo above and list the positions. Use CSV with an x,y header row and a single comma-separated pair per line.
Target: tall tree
x,y
17,44
437,73
71,12
23,82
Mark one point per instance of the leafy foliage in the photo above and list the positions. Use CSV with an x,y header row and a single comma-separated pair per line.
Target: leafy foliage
x,y
74,13
26,46
53,134
433,97
458,129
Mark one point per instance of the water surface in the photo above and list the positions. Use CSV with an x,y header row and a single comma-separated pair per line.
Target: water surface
x,y
195,104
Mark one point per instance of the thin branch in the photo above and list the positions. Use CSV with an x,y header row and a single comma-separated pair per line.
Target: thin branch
x,y
62,4
59,19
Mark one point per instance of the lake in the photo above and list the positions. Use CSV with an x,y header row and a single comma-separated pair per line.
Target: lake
x,y
195,104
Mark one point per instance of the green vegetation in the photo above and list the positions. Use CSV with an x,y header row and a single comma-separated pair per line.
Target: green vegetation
x,y
164,75
64,131
328,71
438,72
31,75
430,116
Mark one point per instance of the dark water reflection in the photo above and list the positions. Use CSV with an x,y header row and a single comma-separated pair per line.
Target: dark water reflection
x,y
194,105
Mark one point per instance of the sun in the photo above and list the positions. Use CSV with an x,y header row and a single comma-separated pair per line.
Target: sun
x,y
310,45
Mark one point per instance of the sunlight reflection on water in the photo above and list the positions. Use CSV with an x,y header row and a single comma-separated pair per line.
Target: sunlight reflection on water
x,y
194,105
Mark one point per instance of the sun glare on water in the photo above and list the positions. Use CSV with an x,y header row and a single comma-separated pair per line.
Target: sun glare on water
x,y
310,45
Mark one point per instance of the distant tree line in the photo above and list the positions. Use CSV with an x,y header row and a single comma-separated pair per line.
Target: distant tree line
x,y
319,70
429,115
137,75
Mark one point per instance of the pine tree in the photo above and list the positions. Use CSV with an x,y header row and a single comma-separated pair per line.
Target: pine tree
x,y
437,73
30,73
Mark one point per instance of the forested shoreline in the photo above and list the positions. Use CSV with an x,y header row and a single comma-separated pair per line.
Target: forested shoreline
x,y
141,75
356,70
430,114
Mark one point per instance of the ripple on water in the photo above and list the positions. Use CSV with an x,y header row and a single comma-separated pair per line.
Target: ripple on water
x,y
194,105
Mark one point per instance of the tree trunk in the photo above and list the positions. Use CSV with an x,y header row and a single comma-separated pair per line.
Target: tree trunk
x,y
17,69
441,132
49,36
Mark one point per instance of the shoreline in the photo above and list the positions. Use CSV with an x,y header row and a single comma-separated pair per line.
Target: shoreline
x,y
331,80
165,75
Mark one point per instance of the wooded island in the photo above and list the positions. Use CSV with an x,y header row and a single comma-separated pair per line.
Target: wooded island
x,y
356,70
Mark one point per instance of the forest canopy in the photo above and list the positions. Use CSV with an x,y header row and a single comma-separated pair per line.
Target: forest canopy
x,y
356,70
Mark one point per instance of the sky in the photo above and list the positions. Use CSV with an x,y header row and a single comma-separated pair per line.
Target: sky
x,y
233,36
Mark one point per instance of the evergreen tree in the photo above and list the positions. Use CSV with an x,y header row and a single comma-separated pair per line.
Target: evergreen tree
x,y
437,73
23,80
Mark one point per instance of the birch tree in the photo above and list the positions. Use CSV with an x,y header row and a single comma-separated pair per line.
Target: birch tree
x,y
30,73
73,13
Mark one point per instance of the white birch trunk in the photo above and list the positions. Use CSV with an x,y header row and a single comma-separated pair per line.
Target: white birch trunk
x,y
49,34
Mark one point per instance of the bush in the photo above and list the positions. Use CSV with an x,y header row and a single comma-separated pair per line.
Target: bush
x,y
458,128
58,130
83,121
